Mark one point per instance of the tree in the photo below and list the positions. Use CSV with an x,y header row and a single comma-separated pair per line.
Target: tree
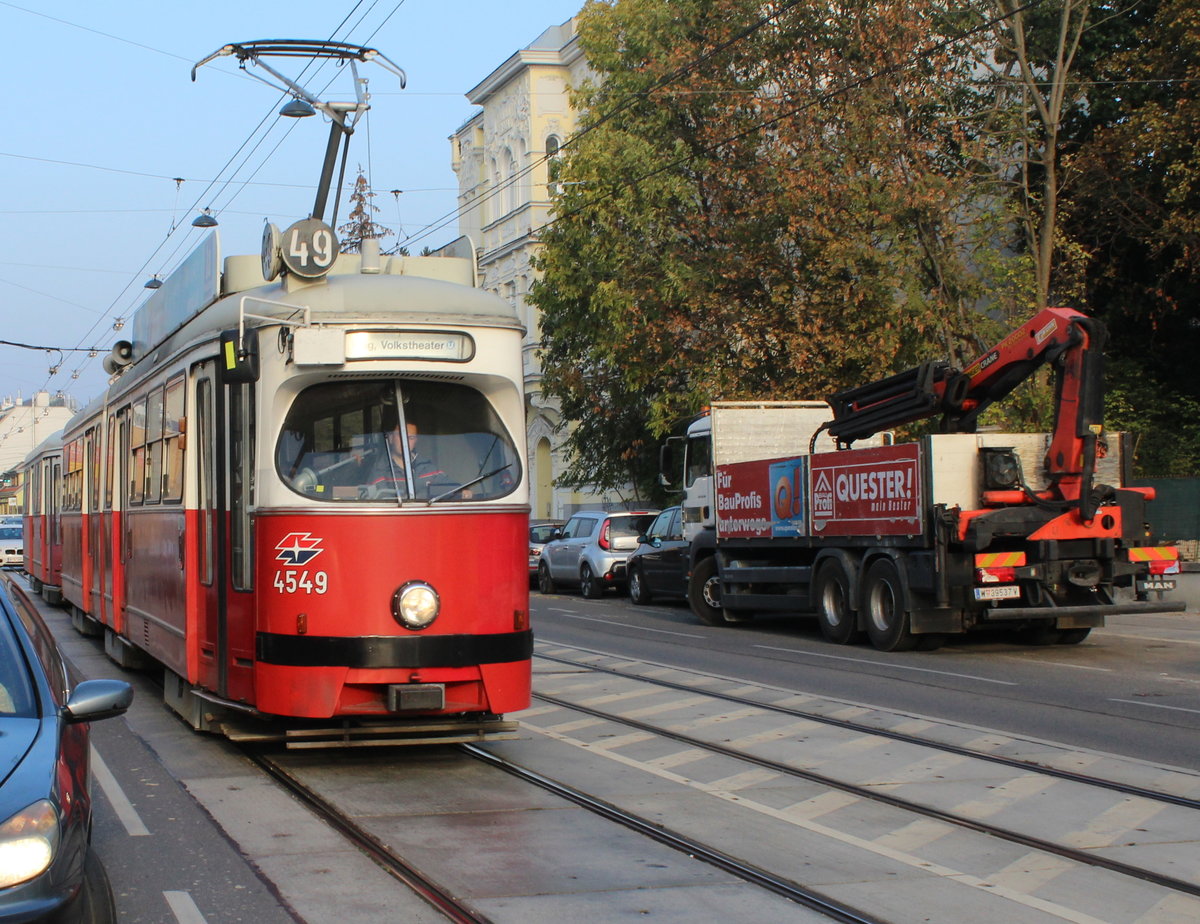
x,y
1135,216
763,200
361,226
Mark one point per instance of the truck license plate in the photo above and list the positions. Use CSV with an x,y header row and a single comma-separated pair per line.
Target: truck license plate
x,y
1001,592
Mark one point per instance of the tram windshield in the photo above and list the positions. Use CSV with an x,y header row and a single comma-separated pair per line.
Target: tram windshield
x,y
395,440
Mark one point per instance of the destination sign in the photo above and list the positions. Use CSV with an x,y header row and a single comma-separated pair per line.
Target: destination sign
x,y
409,344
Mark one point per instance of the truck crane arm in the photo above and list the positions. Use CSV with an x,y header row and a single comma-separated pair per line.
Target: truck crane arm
x,y
1069,341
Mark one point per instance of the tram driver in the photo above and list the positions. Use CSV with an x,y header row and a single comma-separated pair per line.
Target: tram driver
x,y
387,467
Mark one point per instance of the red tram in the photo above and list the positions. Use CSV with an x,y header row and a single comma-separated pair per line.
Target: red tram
x,y
42,545
306,497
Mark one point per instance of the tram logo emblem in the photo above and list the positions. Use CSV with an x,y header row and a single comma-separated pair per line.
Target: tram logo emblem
x,y
298,549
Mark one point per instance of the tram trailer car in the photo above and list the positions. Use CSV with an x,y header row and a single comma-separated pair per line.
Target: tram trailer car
x,y
42,522
238,512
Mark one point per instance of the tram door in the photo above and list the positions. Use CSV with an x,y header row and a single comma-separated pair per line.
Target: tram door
x,y
112,579
225,425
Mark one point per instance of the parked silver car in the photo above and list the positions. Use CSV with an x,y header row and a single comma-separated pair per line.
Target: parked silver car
x,y
540,532
590,551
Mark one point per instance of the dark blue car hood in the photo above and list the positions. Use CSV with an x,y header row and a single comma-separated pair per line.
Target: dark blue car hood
x,y
16,737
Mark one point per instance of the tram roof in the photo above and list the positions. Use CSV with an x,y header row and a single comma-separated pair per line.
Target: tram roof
x,y
196,302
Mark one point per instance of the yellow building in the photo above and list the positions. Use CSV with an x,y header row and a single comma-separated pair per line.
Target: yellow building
x,y
501,157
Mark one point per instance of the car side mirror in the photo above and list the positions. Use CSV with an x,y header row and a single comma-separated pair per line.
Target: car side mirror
x,y
98,699
556,534
643,540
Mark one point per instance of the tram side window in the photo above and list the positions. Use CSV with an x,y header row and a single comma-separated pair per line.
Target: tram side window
x,y
154,433
173,425
137,445
73,479
93,463
335,444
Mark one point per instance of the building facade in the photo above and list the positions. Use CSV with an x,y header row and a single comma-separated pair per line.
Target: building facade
x,y
24,424
502,156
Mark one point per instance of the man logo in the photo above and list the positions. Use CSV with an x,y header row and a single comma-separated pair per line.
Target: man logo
x,y
298,549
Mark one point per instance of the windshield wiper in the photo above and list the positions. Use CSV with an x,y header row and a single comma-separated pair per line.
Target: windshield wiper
x,y
467,484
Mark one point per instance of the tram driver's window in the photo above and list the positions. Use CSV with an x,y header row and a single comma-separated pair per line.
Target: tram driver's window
x,y
341,443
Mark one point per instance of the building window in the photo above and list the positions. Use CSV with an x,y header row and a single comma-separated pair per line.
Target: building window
x,y
552,165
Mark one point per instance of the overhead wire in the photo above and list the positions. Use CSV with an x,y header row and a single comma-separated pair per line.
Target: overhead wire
x,y
118,320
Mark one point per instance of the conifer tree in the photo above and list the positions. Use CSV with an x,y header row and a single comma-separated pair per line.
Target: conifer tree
x,y
361,226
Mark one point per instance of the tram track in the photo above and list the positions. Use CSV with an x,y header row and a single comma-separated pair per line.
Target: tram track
x,y
756,875
864,792
1158,869
436,895
461,912
1116,786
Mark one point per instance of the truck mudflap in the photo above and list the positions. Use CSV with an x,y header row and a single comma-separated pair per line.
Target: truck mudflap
x,y
1100,610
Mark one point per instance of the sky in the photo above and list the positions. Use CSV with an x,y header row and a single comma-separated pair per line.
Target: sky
x,y
101,116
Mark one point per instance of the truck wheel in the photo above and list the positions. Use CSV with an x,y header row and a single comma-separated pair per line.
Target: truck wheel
x,y
704,593
1037,636
545,581
886,607
638,592
831,592
1073,636
588,585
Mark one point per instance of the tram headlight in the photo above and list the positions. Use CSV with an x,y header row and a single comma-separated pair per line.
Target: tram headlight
x,y
415,605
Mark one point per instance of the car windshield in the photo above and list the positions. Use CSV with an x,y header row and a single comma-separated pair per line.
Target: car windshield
x,y
10,532
541,533
16,694
342,442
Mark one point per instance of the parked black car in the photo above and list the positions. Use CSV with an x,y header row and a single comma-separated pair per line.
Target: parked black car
x,y
659,566
47,868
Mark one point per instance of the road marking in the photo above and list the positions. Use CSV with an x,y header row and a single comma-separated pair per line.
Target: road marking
x,y
1116,824
626,625
1135,702
116,796
1078,667
184,908
916,863
899,667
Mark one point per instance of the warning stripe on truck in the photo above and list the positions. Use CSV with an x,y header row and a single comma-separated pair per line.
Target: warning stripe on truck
x,y
1154,553
999,559
1163,559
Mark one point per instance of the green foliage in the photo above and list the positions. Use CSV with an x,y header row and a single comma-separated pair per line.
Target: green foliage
x,y
1165,422
792,216
786,208
1135,216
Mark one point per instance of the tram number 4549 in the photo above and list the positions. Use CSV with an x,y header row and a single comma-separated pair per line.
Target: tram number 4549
x,y
289,582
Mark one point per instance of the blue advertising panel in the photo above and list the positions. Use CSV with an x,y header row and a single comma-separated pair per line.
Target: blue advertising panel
x,y
789,497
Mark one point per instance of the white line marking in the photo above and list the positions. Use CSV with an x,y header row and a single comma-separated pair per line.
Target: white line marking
x,y
921,864
1078,667
626,625
116,795
799,698
1134,702
184,908
899,667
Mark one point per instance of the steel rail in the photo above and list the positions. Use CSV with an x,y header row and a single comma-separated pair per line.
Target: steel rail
x,y
1127,789
453,908
1034,843
754,874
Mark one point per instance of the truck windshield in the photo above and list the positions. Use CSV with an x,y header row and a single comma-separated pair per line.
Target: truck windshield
x,y
697,459
394,440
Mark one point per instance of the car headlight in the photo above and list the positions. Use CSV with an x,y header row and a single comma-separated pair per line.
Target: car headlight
x,y
28,842
415,605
